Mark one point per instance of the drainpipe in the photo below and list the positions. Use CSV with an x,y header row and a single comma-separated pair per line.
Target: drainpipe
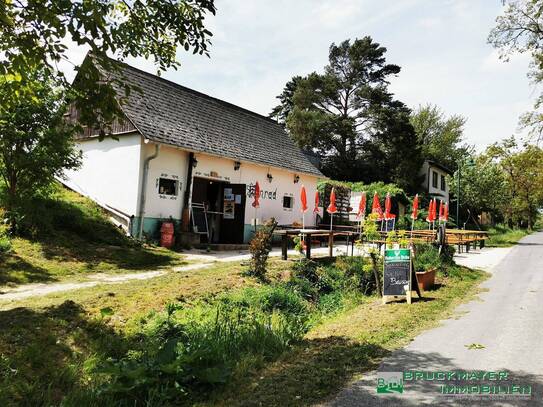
x,y
144,188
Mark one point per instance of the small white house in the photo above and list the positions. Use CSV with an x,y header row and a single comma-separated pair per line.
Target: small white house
x,y
182,155
435,180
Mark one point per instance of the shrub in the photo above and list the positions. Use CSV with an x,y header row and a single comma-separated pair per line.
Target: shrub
x,y
268,299
426,257
359,273
195,348
260,248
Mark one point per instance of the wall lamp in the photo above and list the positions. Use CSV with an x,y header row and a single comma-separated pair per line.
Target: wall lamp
x,y
237,164
194,162
296,178
270,177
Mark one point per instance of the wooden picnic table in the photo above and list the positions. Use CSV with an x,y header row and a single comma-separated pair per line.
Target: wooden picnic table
x,y
309,233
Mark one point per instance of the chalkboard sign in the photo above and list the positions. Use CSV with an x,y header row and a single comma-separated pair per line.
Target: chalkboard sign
x,y
397,271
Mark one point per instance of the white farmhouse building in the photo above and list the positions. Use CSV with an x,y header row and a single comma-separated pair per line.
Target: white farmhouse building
x,y
182,155
435,180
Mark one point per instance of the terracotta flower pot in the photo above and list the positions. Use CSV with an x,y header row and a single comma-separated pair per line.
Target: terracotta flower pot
x,y
426,279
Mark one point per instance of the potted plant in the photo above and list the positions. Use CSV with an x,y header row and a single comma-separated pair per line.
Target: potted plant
x,y
426,264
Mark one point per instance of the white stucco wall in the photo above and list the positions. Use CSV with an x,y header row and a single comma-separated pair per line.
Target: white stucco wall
x,y
110,172
427,171
171,163
282,184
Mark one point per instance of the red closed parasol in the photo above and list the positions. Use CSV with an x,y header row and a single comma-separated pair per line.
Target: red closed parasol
x,y
430,210
303,199
376,207
316,209
388,205
415,207
362,206
441,214
256,202
332,207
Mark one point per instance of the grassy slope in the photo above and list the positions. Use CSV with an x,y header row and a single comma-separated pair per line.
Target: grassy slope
x,y
46,342
505,237
343,347
75,240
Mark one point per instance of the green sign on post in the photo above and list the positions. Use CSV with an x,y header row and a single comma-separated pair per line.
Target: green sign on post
x,y
397,273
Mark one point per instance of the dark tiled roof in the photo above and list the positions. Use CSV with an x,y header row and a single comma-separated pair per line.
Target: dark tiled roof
x,y
440,166
169,113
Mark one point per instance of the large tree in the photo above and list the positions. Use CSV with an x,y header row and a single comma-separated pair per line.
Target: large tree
x,y
523,169
35,34
441,137
483,188
36,143
520,30
348,116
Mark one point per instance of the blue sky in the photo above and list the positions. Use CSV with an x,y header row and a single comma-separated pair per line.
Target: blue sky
x,y
439,44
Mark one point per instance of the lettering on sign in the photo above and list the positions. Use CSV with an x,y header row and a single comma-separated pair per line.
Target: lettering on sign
x,y
263,194
397,271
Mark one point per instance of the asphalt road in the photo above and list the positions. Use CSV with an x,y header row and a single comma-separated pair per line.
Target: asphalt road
x,y
507,320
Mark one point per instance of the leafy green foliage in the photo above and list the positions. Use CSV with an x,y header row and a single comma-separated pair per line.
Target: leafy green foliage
x,y
34,35
523,174
396,193
36,145
348,117
426,257
259,248
440,137
195,348
192,348
483,186
520,30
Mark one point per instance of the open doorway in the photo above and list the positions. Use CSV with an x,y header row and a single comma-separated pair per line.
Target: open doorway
x,y
224,212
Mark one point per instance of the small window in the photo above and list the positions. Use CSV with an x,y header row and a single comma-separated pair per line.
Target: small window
x,y
434,179
288,202
443,182
167,186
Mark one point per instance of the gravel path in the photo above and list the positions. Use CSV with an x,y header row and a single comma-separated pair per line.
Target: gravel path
x,y
36,290
505,325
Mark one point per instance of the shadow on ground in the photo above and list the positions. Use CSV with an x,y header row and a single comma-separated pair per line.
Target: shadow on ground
x,y
42,352
419,392
74,239
315,369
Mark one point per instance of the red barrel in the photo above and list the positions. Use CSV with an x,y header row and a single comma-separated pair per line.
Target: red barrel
x,y
166,235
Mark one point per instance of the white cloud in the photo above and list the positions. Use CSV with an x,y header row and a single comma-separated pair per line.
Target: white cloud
x,y
441,47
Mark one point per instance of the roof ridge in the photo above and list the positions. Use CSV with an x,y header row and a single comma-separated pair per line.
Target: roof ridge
x,y
169,82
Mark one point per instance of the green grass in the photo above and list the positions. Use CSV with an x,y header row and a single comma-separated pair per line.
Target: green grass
x,y
71,237
50,346
344,346
500,236
54,348
47,344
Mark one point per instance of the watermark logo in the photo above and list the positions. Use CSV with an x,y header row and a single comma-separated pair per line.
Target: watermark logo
x,y
389,382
